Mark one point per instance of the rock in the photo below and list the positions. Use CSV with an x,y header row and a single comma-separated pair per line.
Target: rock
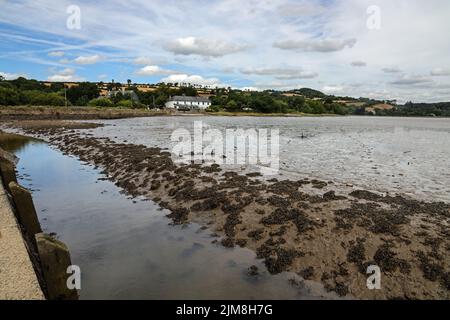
x,y
253,271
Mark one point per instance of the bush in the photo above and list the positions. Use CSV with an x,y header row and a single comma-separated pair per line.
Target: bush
x,y
100,102
213,109
38,98
125,104
9,97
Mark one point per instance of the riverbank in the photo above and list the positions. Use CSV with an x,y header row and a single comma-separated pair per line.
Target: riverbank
x,y
310,227
18,279
96,113
72,113
9,113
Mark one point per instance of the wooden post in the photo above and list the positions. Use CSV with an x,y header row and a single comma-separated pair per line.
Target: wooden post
x,y
7,171
55,259
26,213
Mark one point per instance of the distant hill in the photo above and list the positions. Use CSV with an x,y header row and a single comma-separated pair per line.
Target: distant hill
x,y
309,93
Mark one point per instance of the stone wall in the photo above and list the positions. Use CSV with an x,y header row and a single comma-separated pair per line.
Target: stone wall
x,y
33,265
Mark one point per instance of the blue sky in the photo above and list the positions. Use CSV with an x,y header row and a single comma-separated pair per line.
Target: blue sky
x,y
280,44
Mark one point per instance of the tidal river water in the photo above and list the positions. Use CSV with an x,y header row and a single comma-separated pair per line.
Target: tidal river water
x,y
410,156
126,248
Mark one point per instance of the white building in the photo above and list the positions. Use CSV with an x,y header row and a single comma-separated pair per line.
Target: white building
x,y
188,103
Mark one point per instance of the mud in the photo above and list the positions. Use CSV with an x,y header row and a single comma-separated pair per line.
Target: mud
x,y
310,227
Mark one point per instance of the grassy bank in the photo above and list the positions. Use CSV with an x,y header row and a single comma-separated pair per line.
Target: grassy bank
x,y
72,113
92,113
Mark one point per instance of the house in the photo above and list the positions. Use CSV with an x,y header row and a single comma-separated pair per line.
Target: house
x,y
124,92
188,103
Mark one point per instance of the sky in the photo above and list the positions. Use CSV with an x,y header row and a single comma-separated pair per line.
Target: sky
x,y
382,49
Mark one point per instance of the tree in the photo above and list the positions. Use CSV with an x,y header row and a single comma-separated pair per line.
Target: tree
x,y
101,102
161,100
231,105
39,98
125,104
83,93
310,93
316,107
9,97
23,84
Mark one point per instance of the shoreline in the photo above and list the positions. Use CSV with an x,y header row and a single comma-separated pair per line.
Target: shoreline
x,y
9,113
20,274
13,113
305,226
72,113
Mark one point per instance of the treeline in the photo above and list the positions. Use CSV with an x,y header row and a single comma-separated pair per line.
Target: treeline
x,y
29,92
32,92
440,109
274,102
22,91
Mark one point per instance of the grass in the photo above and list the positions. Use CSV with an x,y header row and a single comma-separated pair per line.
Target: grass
x,y
48,112
72,113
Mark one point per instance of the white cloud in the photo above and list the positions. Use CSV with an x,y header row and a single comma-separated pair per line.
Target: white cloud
x,y
228,70
277,85
332,89
440,72
301,9
56,54
313,45
193,79
11,76
358,64
202,47
143,60
65,75
281,73
88,59
152,70
411,80
391,70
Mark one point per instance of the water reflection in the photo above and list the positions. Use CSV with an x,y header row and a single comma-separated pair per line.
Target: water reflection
x,y
126,249
15,143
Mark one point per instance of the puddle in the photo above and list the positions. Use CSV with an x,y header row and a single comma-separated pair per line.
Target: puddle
x,y
126,248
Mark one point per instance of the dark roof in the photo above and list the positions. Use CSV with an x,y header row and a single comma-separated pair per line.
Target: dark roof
x,y
186,98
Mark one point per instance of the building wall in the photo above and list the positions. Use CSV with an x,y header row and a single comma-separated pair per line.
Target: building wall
x,y
188,104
